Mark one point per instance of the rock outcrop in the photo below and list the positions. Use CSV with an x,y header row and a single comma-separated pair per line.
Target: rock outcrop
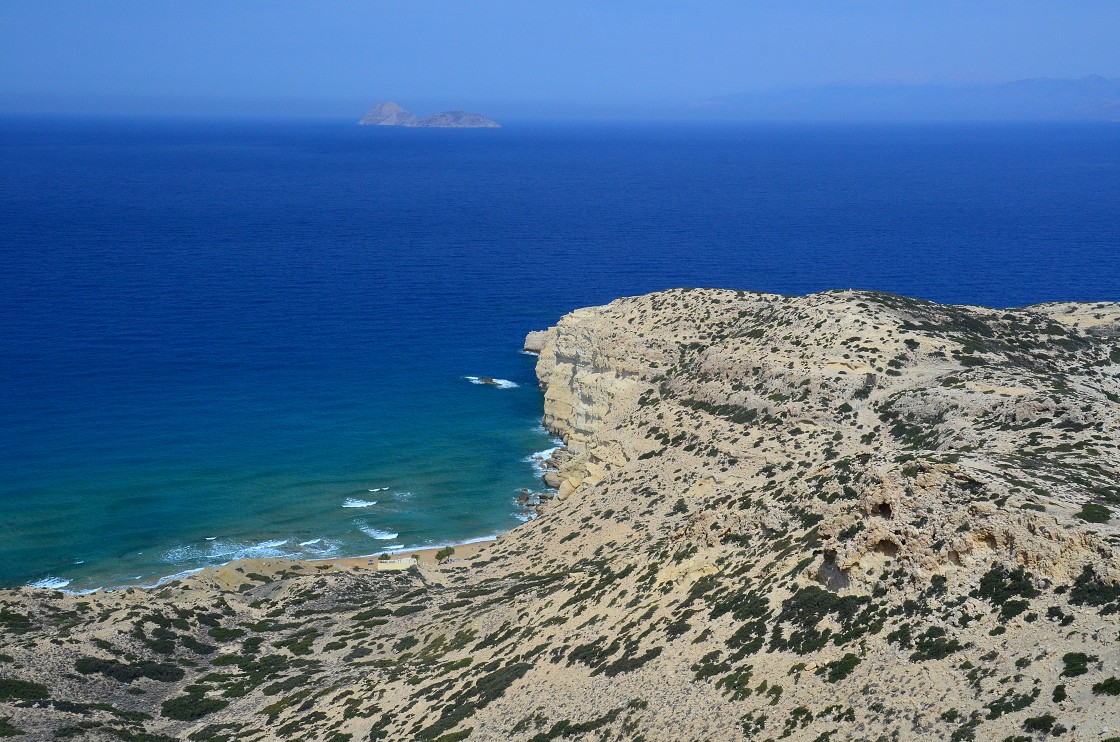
x,y
845,516
535,340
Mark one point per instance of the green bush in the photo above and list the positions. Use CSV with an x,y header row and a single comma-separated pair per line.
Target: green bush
x,y
1042,723
1109,687
464,703
842,667
223,634
22,690
933,645
191,707
13,621
1091,512
7,730
196,646
1000,587
162,672
445,553
1076,663
1089,589
803,613
372,613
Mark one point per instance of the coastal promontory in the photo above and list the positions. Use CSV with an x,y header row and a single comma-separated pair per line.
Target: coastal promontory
x,y
842,516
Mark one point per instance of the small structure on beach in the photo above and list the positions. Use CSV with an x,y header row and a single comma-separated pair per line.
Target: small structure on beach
x,y
393,565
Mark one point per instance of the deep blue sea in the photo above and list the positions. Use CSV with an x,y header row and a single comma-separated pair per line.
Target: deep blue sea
x,y
215,336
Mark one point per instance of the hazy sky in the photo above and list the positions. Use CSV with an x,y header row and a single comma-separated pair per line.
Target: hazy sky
x,y
334,57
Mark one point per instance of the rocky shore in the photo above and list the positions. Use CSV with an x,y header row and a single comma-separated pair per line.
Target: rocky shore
x,y
843,516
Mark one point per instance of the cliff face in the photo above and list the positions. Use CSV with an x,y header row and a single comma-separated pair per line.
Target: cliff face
x,y
840,516
586,373
928,399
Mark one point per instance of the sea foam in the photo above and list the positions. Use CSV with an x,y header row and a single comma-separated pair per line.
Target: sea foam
x,y
227,551
50,583
220,552
374,533
498,383
353,502
539,460
177,576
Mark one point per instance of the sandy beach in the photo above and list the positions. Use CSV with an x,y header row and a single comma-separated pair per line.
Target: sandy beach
x,y
463,552
233,574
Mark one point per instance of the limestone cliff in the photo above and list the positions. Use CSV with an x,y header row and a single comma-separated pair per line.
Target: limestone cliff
x,y
845,516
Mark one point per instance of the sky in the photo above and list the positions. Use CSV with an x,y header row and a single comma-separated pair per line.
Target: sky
x,y
330,58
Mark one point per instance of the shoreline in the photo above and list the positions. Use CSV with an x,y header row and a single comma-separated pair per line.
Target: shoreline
x,y
462,550
238,572
226,572
272,566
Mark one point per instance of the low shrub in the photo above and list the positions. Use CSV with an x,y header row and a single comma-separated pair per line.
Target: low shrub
x,y
22,690
191,707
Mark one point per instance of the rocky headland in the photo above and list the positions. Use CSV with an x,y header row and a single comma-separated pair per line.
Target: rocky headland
x,y
843,516
391,114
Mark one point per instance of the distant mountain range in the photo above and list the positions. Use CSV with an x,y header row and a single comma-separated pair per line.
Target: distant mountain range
x,y
1092,98
391,114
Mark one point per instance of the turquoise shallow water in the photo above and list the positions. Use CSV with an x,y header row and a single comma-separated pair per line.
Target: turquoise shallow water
x,y
293,480
217,335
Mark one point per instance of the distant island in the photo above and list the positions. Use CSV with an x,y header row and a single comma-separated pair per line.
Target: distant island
x,y
391,114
